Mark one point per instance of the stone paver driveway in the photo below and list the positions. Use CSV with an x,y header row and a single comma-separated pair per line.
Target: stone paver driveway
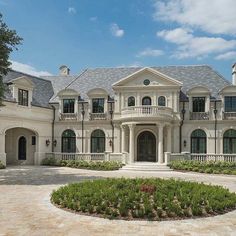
x,y
25,207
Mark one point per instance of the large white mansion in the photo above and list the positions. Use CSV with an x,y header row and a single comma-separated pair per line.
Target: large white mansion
x,y
131,114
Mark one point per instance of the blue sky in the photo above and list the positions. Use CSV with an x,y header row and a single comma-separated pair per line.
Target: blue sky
x,y
113,33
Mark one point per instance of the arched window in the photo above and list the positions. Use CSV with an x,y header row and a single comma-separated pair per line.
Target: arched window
x,y
198,141
68,141
162,101
131,101
146,101
229,141
97,141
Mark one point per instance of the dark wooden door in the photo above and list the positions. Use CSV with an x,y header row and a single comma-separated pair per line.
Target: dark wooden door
x,y
22,148
146,150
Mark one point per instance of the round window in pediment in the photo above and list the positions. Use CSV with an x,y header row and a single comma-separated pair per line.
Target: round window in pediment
x,y
146,82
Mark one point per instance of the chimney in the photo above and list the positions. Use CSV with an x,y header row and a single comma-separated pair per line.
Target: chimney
x,y
64,70
234,74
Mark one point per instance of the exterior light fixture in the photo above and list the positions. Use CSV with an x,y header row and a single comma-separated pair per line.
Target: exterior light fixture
x,y
185,143
111,143
47,142
55,142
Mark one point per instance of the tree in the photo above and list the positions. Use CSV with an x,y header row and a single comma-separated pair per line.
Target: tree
x,y
8,42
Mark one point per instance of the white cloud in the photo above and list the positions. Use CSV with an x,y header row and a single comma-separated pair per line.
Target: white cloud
x,y
93,18
150,52
116,30
216,17
190,46
27,69
72,10
227,56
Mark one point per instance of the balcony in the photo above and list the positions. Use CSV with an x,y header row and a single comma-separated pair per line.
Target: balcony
x,y
98,116
229,115
68,116
147,111
199,115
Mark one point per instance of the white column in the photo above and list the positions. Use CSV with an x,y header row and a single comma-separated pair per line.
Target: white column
x,y
169,143
2,149
160,144
122,139
131,143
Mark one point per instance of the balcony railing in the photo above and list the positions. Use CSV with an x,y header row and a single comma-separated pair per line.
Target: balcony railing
x,y
97,116
147,111
229,115
77,156
199,115
68,116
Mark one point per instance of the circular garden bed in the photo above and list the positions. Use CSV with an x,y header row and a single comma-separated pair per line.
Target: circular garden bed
x,y
153,199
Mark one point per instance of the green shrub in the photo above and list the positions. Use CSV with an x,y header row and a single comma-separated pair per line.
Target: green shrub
x,y
216,167
50,161
125,198
2,166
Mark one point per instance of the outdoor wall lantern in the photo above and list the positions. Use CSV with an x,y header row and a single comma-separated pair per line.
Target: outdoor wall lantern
x,y
47,142
110,142
185,143
55,142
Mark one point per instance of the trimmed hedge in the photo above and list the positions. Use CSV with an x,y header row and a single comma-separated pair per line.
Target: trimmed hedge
x,y
153,199
2,166
209,167
91,165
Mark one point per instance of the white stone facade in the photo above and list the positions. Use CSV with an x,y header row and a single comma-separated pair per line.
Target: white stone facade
x,y
141,132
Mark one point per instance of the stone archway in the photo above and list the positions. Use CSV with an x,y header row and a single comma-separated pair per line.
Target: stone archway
x,y
146,146
20,146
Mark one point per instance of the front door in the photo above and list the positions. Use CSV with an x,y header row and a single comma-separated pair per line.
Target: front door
x,y
146,147
22,148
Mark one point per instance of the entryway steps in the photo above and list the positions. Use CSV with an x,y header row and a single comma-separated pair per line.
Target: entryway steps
x,y
146,166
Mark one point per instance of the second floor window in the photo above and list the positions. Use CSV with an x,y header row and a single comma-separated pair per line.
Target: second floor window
x,y
230,104
98,105
131,101
23,97
68,105
162,101
198,104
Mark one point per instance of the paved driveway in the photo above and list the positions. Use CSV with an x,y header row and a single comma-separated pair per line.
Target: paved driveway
x,y
25,207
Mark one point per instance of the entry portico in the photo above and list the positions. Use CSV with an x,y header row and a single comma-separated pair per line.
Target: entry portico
x,y
146,142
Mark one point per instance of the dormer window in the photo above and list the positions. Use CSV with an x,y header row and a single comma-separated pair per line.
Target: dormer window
x,y
68,105
23,97
230,103
198,104
98,105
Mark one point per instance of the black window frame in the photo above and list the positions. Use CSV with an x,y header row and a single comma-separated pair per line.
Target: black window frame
x,y
22,100
162,101
131,101
230,105
146,101
98,105
68,141
71,105
198,141
199,104
98,141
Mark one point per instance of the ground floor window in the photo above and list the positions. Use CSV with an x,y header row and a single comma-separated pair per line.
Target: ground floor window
x,y
97,141
68,141
198,141
229,141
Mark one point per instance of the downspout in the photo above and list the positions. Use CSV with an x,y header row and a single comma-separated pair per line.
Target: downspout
x,y
215,114
53,124
111,121
83,112
180,128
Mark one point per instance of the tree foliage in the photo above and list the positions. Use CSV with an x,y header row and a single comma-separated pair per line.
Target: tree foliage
x,y
8,42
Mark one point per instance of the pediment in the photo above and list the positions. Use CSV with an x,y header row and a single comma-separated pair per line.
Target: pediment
x,y
67,92
198,90
97,92
150,76
23,81
228,90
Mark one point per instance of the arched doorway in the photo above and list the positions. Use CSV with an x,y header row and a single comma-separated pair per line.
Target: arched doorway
x,y
97,141
22,148
229,141
146,101
198,141
68,141
146,146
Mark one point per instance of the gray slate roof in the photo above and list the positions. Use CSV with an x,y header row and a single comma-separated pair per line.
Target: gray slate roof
x,y
47,87
42,92
190,76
